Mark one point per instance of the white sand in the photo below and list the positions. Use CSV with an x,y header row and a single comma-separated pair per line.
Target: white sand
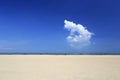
x,y
46,67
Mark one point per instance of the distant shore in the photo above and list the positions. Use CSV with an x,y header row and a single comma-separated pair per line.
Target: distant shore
x,y
17,53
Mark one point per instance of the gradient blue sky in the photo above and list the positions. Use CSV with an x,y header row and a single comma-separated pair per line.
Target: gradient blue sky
x,y
38,25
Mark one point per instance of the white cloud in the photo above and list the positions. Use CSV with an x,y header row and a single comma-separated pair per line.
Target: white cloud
x,y
11,45
4,45
5,48
79,36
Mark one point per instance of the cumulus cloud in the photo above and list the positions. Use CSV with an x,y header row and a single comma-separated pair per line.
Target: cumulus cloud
x,y
79,36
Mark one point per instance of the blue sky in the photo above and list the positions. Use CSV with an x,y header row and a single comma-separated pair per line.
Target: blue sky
x,y
38,25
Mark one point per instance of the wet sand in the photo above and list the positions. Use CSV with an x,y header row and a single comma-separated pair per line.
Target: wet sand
x,y
59,67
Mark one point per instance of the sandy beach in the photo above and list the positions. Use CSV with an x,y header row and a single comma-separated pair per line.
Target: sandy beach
x,y
59,67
